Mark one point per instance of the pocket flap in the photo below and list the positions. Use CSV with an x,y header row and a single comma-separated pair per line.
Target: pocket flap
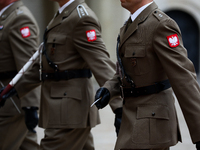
x,y
60,91
0,35
135,51
149,111
54,38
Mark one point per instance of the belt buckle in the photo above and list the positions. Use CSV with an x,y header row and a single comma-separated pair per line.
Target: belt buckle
x,y
121,91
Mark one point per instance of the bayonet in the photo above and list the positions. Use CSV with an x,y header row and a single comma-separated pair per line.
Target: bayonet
x,y
95,101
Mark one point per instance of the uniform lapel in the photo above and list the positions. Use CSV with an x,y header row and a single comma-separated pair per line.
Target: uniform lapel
x,y
66,12
134,25
122,31
124,28
55,21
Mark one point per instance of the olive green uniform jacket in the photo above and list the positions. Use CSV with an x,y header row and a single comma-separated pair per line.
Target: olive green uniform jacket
x,y
149,55
66,103
16,48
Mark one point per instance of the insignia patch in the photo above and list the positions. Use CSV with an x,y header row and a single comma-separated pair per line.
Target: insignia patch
x,y
91,35
1,27
173,40
133,62
19,12
25,32
81,11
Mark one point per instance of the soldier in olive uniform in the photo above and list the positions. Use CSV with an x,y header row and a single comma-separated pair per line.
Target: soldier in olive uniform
x,y
18,41
73,51
153,64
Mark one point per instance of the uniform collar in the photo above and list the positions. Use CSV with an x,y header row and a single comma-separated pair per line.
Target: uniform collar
x,y
4,9
65,13
64,6
134,25
134,15
71,7
10,9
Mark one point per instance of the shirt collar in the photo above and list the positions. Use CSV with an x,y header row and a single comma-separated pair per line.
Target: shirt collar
x,y
4,9
64,6
134,15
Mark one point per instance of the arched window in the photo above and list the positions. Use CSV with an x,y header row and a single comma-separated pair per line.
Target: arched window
x,y
190,34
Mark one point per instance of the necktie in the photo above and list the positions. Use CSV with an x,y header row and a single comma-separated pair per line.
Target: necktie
x,y
128,23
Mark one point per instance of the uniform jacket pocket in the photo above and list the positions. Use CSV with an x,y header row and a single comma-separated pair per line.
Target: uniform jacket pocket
x,y
66,104
151,125
56,47
1,35
137,57
64,91
54,38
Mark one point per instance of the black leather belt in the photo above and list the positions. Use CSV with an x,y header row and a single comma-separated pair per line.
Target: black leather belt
x,y
67,74
7,75
151,89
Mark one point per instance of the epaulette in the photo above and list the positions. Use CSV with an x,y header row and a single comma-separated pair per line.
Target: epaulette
x,y
19,11
159,15
81,11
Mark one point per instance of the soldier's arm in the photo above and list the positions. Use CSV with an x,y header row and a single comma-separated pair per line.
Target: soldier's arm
x,y
92,49
180,71
23,39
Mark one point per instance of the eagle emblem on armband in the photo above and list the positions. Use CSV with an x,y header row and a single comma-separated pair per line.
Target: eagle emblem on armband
x,y
173,40
25,32
91,35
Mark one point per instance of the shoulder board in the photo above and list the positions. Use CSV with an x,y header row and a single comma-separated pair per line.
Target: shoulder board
x,y
81,11
19,11
159,15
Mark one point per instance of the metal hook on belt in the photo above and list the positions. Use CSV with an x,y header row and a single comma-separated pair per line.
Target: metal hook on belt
x,y
57,77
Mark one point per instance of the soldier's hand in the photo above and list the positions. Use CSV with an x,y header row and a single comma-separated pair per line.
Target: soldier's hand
x,y
1,90
198,145
118,119
2,101
104,94
31,118
11,93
